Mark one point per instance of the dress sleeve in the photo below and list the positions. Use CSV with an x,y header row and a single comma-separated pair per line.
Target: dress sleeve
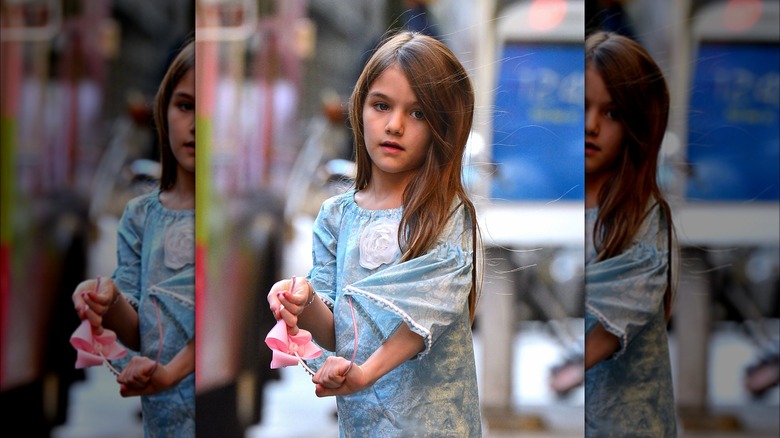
x,y
127,275
624,293
428,293
324,245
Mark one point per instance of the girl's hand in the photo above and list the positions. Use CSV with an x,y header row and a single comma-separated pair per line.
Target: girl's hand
x,y
136,375
287,304
143,376
91,304
331,378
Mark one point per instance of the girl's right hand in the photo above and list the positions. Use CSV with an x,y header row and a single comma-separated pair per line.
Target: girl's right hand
x,y
91,304
338,376
136,376
287,304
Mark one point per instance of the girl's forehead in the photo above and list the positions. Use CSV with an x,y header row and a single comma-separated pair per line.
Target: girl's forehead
x,y
594,82
187,79
392,80
383,72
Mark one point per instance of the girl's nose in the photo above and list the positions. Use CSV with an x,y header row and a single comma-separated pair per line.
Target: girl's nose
x,y
395,124
591,123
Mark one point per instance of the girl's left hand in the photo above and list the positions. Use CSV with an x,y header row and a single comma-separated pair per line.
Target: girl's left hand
x,y
330,378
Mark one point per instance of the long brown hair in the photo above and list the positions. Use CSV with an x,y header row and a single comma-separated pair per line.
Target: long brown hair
x,y
181,64
638,90
442,87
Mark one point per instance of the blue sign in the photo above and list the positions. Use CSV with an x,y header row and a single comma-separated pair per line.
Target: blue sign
x,y
538,123
733,123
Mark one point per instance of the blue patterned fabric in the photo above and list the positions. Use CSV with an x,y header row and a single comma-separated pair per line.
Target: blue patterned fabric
x,y
435,393
630,394
155,250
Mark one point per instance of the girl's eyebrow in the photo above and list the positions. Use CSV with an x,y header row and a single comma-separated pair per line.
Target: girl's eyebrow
x,y
183,94
609,102
380,95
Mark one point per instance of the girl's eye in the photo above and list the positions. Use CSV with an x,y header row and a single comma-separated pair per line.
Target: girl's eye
x,y
184,105
418,115
611,114
381,106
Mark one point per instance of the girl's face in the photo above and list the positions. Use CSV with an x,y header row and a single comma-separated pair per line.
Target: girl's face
x,y
603,131
181,124
395,131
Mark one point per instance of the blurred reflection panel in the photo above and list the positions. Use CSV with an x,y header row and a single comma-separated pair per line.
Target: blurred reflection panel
x,y
734,140
538,135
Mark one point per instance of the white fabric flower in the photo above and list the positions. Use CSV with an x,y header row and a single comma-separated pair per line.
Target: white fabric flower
x,y
379,243
180,244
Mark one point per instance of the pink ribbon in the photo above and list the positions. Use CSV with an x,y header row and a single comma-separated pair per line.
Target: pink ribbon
x,y
288,349
95,349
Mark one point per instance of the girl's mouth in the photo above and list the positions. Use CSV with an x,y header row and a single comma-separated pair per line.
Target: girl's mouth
x,y
590,147
190,144
391,146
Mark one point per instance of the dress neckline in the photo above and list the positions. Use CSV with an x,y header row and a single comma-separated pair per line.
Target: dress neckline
x,y
351,199
156,197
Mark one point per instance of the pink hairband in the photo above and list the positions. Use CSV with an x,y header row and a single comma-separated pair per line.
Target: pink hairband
x,y
92,349
296,349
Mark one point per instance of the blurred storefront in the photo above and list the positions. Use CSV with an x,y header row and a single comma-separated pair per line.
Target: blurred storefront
x,y
720,160
68,166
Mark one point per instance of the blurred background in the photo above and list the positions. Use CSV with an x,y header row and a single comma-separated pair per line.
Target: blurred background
x,y
273,78
78,80
720,166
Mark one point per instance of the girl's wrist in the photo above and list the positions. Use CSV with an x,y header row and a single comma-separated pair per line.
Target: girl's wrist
x,y
369,377
311,295
114,299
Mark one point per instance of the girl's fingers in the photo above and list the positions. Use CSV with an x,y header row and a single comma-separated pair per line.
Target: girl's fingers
x,y
274,301
79,296
294,301
286,301
289,305
97,300
95,320
81,310
290,319
299,295
331,375
334,381
136,375
295,294
103,296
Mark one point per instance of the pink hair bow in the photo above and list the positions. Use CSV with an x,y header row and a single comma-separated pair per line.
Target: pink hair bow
x,y
95,349
290,350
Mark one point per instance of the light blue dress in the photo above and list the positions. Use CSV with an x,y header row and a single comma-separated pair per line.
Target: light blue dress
x,y
356,254
630,394
156,255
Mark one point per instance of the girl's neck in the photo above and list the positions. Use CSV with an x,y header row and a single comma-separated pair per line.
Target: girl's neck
x,y
593,184
382,193
182,195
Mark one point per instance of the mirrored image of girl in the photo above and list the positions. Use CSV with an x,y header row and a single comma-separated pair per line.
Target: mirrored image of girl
x,y
149,300
629,244
394,279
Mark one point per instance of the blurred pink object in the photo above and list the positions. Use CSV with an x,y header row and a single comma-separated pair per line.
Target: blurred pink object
x,y
290,350
94,350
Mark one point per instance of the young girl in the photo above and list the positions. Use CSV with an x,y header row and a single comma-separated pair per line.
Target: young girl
x,y
628,382
149,300
393,285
